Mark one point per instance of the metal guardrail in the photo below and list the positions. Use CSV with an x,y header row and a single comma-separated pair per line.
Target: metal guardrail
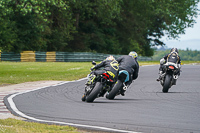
x,y
31,56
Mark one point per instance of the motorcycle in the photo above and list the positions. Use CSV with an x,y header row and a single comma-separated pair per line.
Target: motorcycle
x,y
96,86
169,76
119,87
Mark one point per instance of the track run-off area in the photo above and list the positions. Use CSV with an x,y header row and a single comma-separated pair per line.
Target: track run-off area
x,y
143,109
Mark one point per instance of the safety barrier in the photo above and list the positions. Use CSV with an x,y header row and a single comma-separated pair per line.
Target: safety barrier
x,y
36,56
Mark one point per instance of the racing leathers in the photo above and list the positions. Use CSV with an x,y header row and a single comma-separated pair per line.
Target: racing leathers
x,y
129,64
171,57
109,66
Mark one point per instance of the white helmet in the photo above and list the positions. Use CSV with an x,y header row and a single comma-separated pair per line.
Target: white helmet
x,y
110,58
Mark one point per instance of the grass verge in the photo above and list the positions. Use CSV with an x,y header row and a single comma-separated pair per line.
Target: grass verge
x,y
17,126
20,72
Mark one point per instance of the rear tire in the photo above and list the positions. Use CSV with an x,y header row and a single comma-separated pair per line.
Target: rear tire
x,y
114,90
96,90
167,83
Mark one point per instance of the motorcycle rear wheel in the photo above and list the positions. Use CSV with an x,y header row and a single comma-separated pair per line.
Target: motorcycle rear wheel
x,y
167,83
114,90
94,93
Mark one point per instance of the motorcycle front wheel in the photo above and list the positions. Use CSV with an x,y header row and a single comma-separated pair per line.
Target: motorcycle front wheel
x,y
167,83
114,90
94,93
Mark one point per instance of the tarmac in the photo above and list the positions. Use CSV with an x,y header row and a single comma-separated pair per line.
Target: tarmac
x,y
7,89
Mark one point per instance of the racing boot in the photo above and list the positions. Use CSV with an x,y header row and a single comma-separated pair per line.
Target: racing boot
x,y
159,78
122,92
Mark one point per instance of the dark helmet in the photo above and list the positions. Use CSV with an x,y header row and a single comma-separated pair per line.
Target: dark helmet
x,y
174,50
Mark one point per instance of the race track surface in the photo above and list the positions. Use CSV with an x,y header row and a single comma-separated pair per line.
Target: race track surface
x,y
144,108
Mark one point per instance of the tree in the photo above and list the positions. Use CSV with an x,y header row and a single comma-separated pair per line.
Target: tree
x,y
30,21
95,26
146,21
106,26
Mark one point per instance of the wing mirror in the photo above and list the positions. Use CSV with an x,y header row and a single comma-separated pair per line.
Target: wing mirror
x,y
94,63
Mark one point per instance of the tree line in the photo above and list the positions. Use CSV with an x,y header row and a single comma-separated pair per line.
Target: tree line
x,y
103,26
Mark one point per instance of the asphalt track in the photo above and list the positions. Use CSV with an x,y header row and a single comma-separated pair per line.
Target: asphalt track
x,y
144,108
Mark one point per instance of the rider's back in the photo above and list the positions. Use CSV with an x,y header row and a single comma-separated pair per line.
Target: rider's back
x,y
127,63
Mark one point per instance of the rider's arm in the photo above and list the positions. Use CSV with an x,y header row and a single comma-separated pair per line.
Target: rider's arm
x,y
136,71
165,57
101,64
119,59
179,62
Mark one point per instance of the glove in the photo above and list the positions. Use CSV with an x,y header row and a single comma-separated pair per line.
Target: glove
x,y
162,61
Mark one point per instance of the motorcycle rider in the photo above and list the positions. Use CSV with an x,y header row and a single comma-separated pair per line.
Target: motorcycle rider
x,y
109,66
130,64
171,57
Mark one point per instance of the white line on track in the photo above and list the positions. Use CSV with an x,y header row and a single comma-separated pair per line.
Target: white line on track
x,y
14,108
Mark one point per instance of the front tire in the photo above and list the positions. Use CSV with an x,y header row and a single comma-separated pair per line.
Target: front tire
x,y
94,93
167,83
114,90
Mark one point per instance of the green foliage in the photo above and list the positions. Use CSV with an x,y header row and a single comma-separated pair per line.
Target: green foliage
x,y
146,21
104,26
186,55
8,36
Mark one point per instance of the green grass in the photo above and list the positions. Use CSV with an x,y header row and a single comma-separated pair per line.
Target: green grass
x,y
190,62
17,126
20,72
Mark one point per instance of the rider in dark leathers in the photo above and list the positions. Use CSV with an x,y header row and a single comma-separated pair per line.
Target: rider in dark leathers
x,y
130,64
171,57
109,65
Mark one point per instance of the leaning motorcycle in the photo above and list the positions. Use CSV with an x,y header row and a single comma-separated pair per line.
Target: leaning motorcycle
x,y
170,75
96,86
119,86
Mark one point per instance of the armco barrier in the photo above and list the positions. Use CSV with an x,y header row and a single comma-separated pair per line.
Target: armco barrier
x,y
10,56
28,56
50,56
31,56
40,56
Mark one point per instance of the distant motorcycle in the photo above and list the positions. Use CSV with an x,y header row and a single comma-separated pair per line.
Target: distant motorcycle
x,y
169,76
119,86
96,86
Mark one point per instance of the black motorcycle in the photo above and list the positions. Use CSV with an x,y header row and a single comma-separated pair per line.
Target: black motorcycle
x,y
119,87
171,72
96,86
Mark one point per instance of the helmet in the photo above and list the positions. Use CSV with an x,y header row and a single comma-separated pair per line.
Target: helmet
x,y
133,54
110,58
174,50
